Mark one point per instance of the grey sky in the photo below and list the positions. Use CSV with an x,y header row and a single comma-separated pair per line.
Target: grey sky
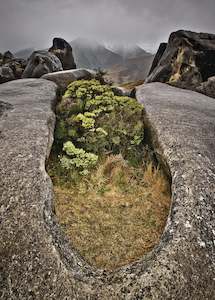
x,y
33,23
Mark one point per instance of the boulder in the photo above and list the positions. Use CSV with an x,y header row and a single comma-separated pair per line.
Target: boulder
x,y
64,78
6,74
40,63
18,66
189,59
11,67
63,51
207,87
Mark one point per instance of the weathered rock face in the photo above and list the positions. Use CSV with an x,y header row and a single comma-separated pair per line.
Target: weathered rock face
x,y
189,59
64,78
18,66
10,67
6,74
207,87
158,56
40,63
63,51
36,259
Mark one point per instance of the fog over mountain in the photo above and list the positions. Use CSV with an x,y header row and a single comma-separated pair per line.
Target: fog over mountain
x,y
30,23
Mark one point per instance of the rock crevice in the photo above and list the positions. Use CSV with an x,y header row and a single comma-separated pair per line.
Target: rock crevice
x,y
36,259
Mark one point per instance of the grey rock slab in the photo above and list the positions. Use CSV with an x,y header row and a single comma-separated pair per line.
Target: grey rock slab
x,y
182,126
64,78
31,264
37,261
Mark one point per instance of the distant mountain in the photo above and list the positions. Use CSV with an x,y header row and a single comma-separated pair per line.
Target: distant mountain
x,y
25,53
122,62
90,54
128,51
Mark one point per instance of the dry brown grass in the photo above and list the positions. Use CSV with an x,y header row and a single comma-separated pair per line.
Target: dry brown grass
x,y
116,215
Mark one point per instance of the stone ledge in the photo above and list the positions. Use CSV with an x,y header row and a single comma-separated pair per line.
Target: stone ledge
x,y
36,259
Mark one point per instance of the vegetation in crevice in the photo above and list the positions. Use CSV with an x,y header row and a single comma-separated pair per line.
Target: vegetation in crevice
x,y
111,200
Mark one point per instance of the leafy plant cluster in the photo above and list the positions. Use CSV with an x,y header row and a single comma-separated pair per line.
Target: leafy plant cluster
x,y
93,122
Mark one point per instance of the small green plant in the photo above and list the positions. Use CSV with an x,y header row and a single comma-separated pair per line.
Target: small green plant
x,y
78,159
93,122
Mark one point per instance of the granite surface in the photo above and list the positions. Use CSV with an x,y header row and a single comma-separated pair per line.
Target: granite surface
x,y
64,78
37,261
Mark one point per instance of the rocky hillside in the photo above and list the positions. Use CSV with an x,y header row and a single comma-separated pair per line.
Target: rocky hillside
x,y
92,55
131,69
123,63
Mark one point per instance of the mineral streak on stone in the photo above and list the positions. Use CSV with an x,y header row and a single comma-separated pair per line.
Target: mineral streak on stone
x,y
36,259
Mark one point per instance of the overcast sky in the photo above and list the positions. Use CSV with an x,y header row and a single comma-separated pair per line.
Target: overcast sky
x,y
33,23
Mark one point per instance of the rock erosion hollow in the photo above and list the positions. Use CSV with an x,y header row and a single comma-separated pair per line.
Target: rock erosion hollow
x,y
37,261
113,208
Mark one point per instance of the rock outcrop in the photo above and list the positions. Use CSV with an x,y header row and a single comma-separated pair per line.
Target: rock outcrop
x,y
36,259
40,63
7,57
10,67
64,78
63,51
6,74
58,58
189,60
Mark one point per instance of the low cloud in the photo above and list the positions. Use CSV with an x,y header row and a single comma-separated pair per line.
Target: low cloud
x,y
33,23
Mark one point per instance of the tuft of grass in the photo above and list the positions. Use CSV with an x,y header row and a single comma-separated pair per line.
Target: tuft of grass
x,y
114,215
